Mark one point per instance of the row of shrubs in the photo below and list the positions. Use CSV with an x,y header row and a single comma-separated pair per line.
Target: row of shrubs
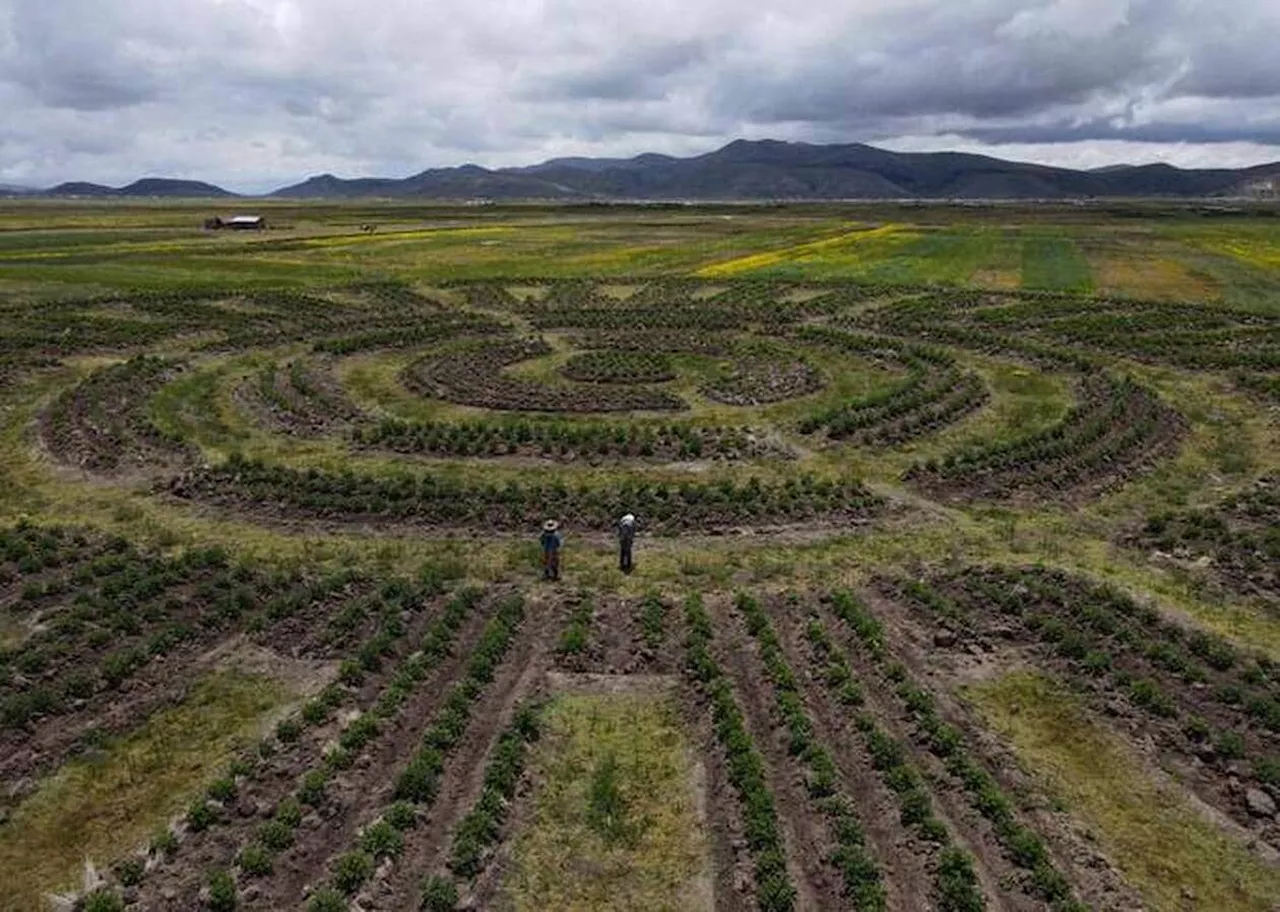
x,y
774,890
863,882
418,783
256,858
1022,845
957,884
438,499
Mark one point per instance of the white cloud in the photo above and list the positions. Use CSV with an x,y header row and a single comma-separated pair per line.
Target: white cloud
x,y
255,93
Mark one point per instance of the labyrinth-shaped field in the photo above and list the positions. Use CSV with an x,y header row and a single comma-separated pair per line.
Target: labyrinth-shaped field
x,y
933,608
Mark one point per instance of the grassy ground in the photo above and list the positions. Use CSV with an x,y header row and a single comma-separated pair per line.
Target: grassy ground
x,y
102,806
615,823
1167,849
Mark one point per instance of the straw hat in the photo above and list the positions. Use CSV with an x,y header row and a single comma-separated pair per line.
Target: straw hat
x,y
550,525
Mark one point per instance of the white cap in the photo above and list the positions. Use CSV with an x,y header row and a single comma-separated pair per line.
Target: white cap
x,y
628,519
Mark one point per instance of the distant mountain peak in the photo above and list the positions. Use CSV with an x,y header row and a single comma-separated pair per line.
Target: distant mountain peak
x,y
750,169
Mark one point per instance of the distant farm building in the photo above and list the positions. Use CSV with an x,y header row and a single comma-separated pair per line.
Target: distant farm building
x,y
236,222
1266,188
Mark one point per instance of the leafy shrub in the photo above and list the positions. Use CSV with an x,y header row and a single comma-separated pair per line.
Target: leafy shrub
x,y
382,840
255,860
223,790
129,871
311,791
1230,745
103,901
288,731
327,899
275,835
351,870
289,812
439,894
201,815
401,815
164,842
222,892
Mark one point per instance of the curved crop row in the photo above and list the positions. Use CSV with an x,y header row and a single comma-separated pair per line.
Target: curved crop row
x,y
299,397
410,331
756,379
1240,536
1196,336
566,440
473,376
101,424
442,501
1117,429
619,367
935,393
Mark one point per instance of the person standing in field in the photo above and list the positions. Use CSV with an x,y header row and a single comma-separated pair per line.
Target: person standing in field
x,y
626,538
551,542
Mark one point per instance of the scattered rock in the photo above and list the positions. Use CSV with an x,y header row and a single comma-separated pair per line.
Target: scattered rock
x,y
944,639
1260,804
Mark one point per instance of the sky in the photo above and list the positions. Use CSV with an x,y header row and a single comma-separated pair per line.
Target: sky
x,y
256,94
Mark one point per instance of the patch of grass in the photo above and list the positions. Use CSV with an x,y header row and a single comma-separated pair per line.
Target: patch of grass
x,y
1157,839
101,808
608,764
1054,264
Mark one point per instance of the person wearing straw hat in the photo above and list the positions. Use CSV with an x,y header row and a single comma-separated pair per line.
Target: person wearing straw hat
x,y
626,538
551,550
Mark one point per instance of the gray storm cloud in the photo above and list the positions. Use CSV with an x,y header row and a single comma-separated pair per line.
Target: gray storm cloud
x,y
252,93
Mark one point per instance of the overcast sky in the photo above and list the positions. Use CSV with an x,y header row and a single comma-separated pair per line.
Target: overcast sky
x,y
253,94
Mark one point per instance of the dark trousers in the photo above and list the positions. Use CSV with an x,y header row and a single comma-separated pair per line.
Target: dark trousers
x,y
624,556
551,565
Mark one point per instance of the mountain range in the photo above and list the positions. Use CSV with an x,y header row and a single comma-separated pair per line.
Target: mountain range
x,y
750,170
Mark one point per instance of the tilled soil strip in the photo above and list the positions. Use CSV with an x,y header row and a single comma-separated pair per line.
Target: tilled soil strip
x,y
426,846
1096,883
808,843
259,795
352,794
909,876
163,681
731,862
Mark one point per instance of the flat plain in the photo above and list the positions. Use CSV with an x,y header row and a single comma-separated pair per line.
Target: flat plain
x,y
957,584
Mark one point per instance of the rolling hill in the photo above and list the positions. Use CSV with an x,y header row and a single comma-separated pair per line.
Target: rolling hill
x,y
748,170
768,169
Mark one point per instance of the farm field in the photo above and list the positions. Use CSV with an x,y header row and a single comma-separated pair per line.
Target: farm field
x,y
957,579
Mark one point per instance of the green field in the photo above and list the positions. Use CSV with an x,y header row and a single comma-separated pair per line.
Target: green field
x,y
955,578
